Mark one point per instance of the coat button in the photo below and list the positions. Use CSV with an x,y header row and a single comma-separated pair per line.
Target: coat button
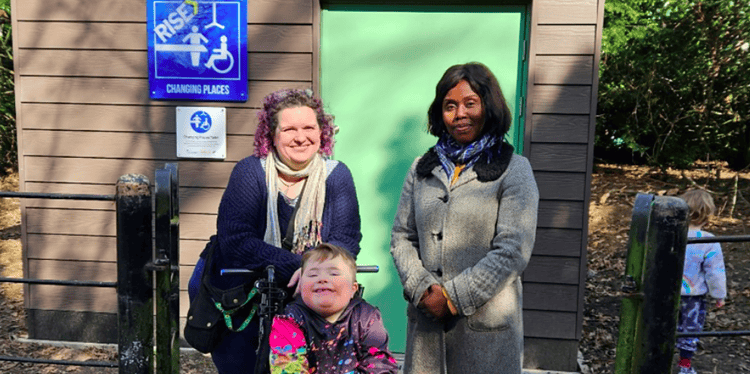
x,y
439,272
235,301
190,318
444,198
439,236
208,324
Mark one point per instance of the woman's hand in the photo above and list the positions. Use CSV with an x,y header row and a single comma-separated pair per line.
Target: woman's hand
x,y
434,302
294,281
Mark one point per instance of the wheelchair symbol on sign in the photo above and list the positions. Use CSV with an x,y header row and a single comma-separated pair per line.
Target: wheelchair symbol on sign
x,y
220,54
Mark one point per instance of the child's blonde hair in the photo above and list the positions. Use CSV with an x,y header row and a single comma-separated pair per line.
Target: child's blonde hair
x,y
325,251
701,205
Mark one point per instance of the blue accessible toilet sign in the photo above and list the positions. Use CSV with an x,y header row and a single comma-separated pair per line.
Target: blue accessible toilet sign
x,y
197,50
201,132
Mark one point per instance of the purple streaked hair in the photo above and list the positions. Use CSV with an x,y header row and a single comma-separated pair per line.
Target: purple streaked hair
x,y
268,119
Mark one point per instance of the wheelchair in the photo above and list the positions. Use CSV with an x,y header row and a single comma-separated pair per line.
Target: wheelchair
x,y
272,298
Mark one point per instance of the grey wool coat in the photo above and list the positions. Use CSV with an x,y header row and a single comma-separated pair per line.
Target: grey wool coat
x,y
474,238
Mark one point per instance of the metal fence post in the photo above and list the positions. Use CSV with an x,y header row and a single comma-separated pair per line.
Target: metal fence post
x,y
167,270
134,283
662,281
650,346
174,261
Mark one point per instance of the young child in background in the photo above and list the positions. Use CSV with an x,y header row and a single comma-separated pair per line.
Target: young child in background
x,y
330,329
703,273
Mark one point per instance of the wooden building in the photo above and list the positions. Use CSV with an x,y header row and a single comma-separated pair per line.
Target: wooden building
x,y
85,117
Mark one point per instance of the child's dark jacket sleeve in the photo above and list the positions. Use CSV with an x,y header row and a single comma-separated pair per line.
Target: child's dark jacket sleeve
x,y
374,356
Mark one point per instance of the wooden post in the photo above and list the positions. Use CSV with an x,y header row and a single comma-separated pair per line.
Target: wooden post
x,y
135,302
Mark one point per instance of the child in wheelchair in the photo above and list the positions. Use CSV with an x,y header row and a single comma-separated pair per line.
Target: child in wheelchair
x,y
329,328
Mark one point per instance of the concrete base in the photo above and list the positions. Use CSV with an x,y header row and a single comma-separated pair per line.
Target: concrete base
x,y
80,345
400,360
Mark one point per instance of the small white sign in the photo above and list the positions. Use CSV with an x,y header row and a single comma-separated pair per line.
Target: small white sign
x,y
201,132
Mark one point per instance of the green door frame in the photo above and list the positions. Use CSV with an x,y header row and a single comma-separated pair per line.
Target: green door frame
x,y
521,116
518,138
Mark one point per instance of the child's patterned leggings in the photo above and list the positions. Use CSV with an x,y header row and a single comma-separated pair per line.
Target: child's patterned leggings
x,y
692,318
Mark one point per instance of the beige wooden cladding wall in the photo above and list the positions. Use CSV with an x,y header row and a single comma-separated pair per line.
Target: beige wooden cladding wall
x,y
85,118
561,105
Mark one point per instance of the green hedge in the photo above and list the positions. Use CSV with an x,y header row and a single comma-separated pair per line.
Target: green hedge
x,y
8,144
675,82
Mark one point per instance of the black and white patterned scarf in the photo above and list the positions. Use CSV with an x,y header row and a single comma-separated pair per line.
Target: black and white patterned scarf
x,y
450,152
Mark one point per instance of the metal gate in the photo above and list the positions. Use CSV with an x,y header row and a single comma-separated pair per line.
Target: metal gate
x,y
652,284
141,208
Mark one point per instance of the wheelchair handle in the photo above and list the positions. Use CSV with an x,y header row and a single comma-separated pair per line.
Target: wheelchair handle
x,y
360,269
270,274
368,268
235,271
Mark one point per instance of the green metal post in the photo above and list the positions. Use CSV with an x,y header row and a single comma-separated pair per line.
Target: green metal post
x,y
630,316
653,274
134,283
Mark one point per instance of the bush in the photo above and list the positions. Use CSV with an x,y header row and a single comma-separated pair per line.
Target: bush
x,y
8,143
675,82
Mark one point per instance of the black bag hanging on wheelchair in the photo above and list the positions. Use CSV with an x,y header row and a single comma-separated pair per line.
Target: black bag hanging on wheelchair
x,y
215,312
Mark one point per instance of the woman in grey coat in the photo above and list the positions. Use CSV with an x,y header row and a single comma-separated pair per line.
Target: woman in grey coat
x,y
464,232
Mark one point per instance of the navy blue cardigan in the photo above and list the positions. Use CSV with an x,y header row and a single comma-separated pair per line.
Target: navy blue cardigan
x,y
241,223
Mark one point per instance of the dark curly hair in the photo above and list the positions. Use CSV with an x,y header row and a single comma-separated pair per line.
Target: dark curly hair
x,y
497,116
268,119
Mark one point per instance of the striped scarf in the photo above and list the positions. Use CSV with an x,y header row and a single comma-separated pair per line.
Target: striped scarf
x,y
450,152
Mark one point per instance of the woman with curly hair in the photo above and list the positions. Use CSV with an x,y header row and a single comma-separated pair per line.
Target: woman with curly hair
x,y
285,199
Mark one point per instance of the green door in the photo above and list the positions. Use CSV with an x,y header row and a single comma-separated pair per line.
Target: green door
x,y
379,68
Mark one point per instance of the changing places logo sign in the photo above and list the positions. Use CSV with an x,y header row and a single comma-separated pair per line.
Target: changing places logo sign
x,y
198,49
